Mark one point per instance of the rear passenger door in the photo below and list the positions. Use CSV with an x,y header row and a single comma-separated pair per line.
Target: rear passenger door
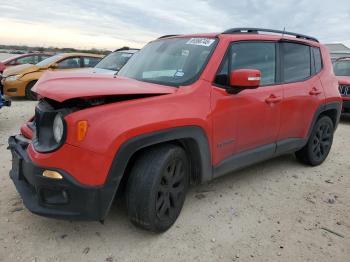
x,y
303,92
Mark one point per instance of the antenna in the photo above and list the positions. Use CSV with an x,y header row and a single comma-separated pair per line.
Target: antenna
x,y
284,30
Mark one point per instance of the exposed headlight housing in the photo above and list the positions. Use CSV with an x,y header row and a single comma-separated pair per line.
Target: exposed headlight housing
x,y
50,128
58,128
13,78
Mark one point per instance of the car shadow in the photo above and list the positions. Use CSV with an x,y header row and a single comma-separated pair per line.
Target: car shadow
x,y
345,119
117,222
18,99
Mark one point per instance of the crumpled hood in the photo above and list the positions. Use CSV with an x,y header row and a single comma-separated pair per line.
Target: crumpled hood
x,y
344,80
93,70
60,86
20,70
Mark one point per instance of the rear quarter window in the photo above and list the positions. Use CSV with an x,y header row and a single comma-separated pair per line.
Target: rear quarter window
x,y
317,59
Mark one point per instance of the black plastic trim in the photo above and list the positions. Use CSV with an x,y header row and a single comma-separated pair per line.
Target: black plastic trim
x,y
81,203
130,147
346,104
244,159
166,36
43,138
254,30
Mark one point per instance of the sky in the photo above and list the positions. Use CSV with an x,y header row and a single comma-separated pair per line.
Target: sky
x,y
115,23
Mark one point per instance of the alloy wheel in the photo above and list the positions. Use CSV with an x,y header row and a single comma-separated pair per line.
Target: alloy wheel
x,y
171,190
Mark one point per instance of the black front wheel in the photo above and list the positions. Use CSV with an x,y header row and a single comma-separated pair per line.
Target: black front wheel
x,y
157,187
319,144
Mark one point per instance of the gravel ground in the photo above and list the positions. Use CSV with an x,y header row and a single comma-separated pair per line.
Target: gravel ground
x,y
278,210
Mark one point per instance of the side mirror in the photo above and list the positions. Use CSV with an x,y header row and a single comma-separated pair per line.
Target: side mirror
x,y
244,79
54,66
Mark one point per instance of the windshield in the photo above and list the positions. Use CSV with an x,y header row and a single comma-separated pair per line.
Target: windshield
x,y
114,61
342,68
50,60
177,61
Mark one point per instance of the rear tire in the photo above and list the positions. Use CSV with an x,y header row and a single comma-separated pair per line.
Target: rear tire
x,y
319,144
157,186
30,95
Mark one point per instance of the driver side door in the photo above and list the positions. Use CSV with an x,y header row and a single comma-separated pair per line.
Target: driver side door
x,y
246,124
69,63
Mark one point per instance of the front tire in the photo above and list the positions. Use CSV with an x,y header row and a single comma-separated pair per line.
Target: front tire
x,y
30,95
157,187
319,144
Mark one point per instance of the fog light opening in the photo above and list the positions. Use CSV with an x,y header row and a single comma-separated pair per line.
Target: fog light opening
x,y
52,174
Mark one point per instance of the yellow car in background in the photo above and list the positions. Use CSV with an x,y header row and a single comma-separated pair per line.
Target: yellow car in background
x,y
19,80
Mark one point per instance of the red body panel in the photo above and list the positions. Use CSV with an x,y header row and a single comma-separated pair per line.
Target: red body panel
x,y
244,121
232,123
88,171
2,67
299,106
88,85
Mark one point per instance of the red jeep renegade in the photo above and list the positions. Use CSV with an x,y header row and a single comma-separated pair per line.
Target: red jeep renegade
x,y
342,70
184,110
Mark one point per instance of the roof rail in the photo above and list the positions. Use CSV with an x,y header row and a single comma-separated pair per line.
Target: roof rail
x,y
165,36
342,58
252,30
125,48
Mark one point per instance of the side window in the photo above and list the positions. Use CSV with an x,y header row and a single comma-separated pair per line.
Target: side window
x,y
296,62
317,59
72,62
13,62
90,61
43,57
26,60
250,55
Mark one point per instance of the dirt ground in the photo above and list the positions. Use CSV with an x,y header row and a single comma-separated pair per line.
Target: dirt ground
x,y
278,210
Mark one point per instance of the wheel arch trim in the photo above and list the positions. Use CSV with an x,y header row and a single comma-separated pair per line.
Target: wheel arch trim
x,y
324,108
133,145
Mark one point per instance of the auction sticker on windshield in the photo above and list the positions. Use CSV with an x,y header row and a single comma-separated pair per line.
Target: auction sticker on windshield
x,y
200,41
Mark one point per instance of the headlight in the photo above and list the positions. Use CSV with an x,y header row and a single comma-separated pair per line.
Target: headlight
x,y
13,78
58,128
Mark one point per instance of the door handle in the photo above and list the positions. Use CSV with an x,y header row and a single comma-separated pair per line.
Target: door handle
x,y
272,99
314,91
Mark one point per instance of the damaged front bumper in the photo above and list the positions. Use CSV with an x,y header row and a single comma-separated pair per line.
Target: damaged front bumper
x,y
58,198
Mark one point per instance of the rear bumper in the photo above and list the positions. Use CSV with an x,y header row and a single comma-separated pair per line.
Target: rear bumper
x,y
65,198
14,88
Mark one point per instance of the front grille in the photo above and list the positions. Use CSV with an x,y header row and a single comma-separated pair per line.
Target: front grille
x,y
344,90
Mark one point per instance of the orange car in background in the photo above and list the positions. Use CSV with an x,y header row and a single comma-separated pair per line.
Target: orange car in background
x,y
19,80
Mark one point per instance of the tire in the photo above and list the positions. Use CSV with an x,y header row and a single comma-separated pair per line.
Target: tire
x,y
319,144
157,186
30,95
